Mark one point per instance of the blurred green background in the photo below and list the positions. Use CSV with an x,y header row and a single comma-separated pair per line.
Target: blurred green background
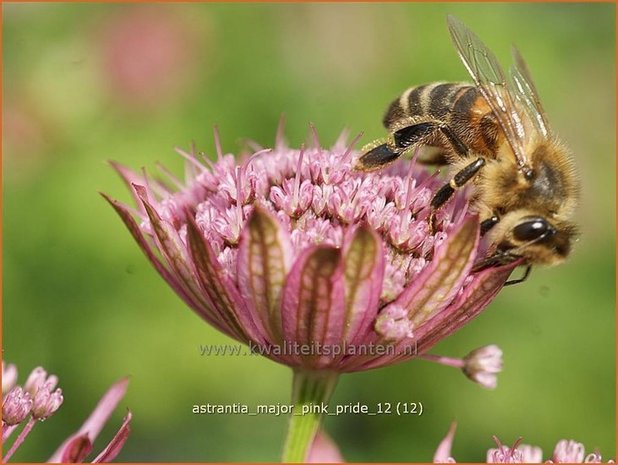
x,y
85,83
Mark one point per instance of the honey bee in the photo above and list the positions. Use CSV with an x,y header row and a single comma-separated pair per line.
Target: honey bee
x,y
493,134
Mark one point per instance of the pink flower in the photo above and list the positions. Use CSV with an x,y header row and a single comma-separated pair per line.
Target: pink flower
x,y
565,452
148,54
39,399
16,406
312,264
324,448
483,364
294,246
79,445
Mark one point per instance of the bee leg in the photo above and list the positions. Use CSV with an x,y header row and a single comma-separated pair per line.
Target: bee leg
x,y
489,223
457,145
376,155
520,280
423,132
498,258
418,133
446,192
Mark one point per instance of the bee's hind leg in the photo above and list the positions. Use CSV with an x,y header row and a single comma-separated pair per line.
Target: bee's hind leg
x,y
424,132
446,191
377,154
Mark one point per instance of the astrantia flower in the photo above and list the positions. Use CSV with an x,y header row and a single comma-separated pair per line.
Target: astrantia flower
x,y
39,399
293,249
324,449
566,451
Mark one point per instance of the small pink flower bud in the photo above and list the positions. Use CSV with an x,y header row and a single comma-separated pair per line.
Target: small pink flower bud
x,y
531,454
483,364
16,406
565,452
37,378
568,451
9,377
46,401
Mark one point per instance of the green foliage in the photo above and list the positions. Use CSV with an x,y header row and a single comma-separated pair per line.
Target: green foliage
x,y
81,300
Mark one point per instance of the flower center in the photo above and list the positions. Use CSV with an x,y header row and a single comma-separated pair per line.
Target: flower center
x,y
316,195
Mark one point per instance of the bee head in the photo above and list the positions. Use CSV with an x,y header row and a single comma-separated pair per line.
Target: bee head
x,y
534,238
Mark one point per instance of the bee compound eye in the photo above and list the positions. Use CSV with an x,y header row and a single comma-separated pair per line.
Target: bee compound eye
x,y
531,229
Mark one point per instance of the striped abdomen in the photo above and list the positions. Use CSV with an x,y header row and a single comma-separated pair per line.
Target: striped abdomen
x,y
459,105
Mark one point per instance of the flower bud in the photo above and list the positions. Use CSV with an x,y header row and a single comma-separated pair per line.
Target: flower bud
x,y
46,401
483,364
9,377
568,451
37,379
16,406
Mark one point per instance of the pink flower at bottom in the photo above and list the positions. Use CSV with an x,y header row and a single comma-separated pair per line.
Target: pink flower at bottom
x,y
324,449
566,451
39,399
312,264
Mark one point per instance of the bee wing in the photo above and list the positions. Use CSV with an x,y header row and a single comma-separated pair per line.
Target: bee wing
x,y
527,94
492,83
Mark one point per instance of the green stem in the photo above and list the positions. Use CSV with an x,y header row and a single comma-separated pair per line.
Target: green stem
x,y
311,392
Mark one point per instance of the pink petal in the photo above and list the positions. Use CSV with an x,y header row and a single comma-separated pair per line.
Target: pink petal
x,y
136,232
313,301
476,296
363,266
466,306
443,452
95,422
264,257
204,311
219,287
129,177
77,449
113,448
324,450
175,253
438,284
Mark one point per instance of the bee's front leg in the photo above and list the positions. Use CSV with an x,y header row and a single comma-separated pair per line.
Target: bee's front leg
x,y
489,223
500,258
511,282
446,192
